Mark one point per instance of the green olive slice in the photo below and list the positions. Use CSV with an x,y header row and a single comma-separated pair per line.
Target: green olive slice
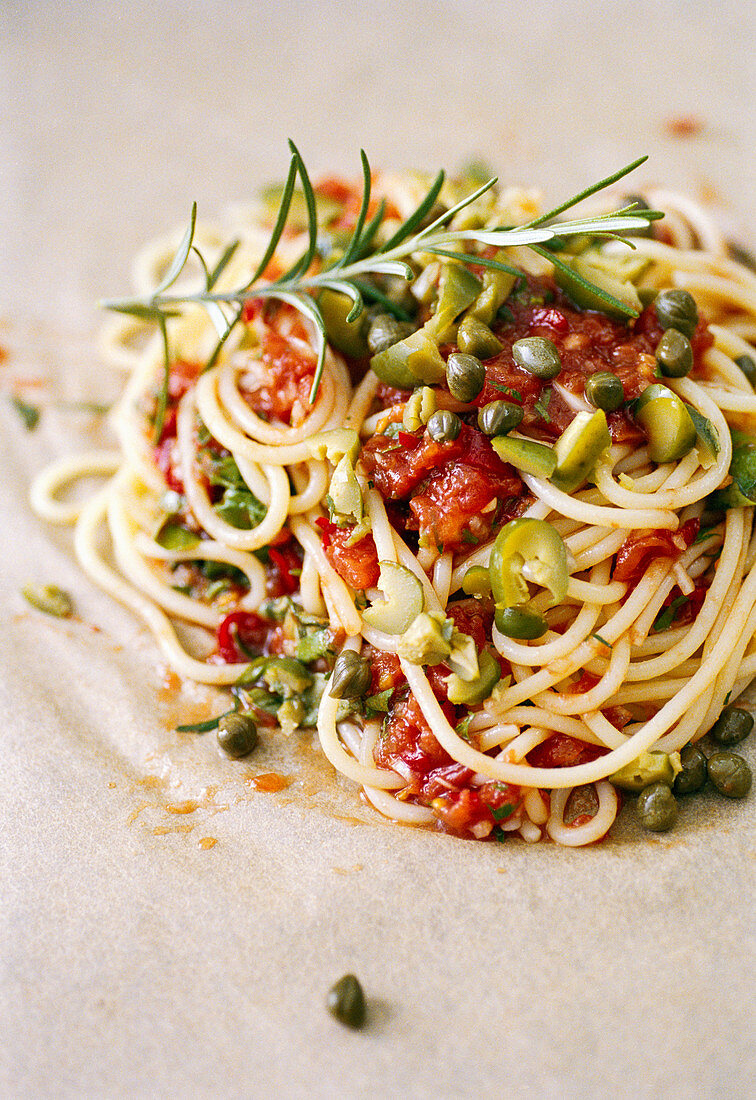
x,y
458,289
403,602
471,692
526,455
409,362
668,425
527,550
578,449
586,296
650,767
348,336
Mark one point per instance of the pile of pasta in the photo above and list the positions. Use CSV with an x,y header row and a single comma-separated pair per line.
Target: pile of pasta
x,y
608,648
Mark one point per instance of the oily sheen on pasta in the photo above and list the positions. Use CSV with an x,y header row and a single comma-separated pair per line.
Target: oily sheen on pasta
x,y
493,535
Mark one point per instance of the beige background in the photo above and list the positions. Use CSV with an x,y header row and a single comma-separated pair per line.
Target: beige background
x,y
135,961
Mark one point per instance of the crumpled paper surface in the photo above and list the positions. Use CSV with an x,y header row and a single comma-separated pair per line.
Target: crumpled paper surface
x,y
168,929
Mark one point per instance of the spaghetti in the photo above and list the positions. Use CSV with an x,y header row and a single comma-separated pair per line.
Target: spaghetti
x,y
491,577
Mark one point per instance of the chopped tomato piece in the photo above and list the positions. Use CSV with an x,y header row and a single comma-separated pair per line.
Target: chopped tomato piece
x,y
639,551
356,564
246,628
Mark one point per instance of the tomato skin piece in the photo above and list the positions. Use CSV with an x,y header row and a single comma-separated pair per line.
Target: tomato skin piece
x,y
638,551
356,564
562,751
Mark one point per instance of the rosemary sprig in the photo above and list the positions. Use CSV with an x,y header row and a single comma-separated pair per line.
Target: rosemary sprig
x,y
301,284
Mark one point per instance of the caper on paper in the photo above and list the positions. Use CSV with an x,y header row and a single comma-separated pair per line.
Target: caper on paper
x,y
538,356
444,426
732,726
465,376
605,391
499,417
677,309
351,676
237,735
346,1001
730,774
693,774
674,354
657,808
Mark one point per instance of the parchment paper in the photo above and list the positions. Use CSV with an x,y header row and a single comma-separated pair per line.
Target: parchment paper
x,y
167,928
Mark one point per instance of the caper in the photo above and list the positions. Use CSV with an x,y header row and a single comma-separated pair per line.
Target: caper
x,y
657,808
237,735
444,426
517,622
385,331
351,676
748,366
730,774
693,774
476,581
465,376
605,391
475,338
538,356
732,726
499,417
674,354
346,1001
677,309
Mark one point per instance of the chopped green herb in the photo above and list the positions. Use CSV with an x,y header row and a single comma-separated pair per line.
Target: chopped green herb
x,y
602,640
469,537
506,389
667,617
542,404
209,724
503,812
378,704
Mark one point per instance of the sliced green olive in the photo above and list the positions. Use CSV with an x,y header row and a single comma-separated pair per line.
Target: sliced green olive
x,y
526,455
538,356
581,272
237,735
465,376
499,417
668,425
692,774
677,309
497,286
419,409
344,490
733,725
748,366
579,448
730,774
48,598
385,330
424,643
476,581
346,1001
335,444
520,622
657,808
351,676
409,362
458,289
708,440
348,336
403,602
471,692
475,338
605,391
527,550
674,354
650,767
444,426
